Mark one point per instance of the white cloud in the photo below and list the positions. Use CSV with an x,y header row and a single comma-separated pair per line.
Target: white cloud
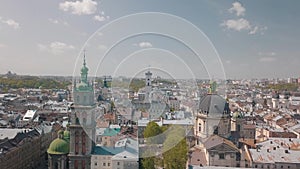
x,y
267,56
84,7
99,33
228,61
238,9
2,45
242,23
56,21
263,29
99,18
254,30
10,22
238,24
267,59
55,47
144,45
102,47
267,53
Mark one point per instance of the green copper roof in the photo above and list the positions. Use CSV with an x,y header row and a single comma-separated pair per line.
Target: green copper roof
x,y
110,132
213,87
84,84
66,135
84,71
58,146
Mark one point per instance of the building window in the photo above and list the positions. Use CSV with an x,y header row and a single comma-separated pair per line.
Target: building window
x,y
200,127
83,164
76,164
118,163
238,128
104,164
83,142
216,130
95,164
221,156
76,142
108,164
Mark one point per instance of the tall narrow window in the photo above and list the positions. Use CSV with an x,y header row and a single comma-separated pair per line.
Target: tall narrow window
x,y
216,130
84,99
84,116
199,126
83,136
238,128
83,164
76,164
76,142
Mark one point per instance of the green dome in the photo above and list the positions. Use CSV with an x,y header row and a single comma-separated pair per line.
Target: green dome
x,y
58,146
237,115
66,135
60,132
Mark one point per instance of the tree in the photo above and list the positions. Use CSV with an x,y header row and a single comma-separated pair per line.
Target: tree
x,y
175,149
152,129
148,161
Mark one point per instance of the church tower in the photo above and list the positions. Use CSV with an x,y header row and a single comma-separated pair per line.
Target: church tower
x,y
82,127
148,85
213,116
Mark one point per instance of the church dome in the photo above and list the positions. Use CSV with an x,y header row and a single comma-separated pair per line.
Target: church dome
x,y
66,135
213,105
58,146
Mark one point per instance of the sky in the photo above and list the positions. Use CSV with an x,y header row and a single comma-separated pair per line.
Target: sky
x,y
178,39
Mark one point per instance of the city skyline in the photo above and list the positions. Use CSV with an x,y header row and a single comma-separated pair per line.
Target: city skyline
x,y
254,39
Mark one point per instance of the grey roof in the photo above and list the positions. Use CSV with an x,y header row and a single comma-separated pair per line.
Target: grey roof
x,y
104,150
213,105
277,150
216,140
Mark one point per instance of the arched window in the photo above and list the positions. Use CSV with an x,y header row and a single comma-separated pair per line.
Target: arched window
x,y
84,99
56,165
83,164
199,126
83,136
238,127
76,164
216,130
84,116
76,142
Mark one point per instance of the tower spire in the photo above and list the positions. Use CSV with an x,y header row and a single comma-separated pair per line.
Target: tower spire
x,y
84,63
84,70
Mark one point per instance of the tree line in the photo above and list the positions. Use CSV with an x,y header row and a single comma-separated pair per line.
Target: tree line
x,y
32,82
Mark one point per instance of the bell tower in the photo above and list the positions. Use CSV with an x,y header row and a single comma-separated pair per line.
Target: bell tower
x,y
148,85
82,127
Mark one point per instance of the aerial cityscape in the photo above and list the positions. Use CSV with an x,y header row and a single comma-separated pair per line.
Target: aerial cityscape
x,y
135,84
